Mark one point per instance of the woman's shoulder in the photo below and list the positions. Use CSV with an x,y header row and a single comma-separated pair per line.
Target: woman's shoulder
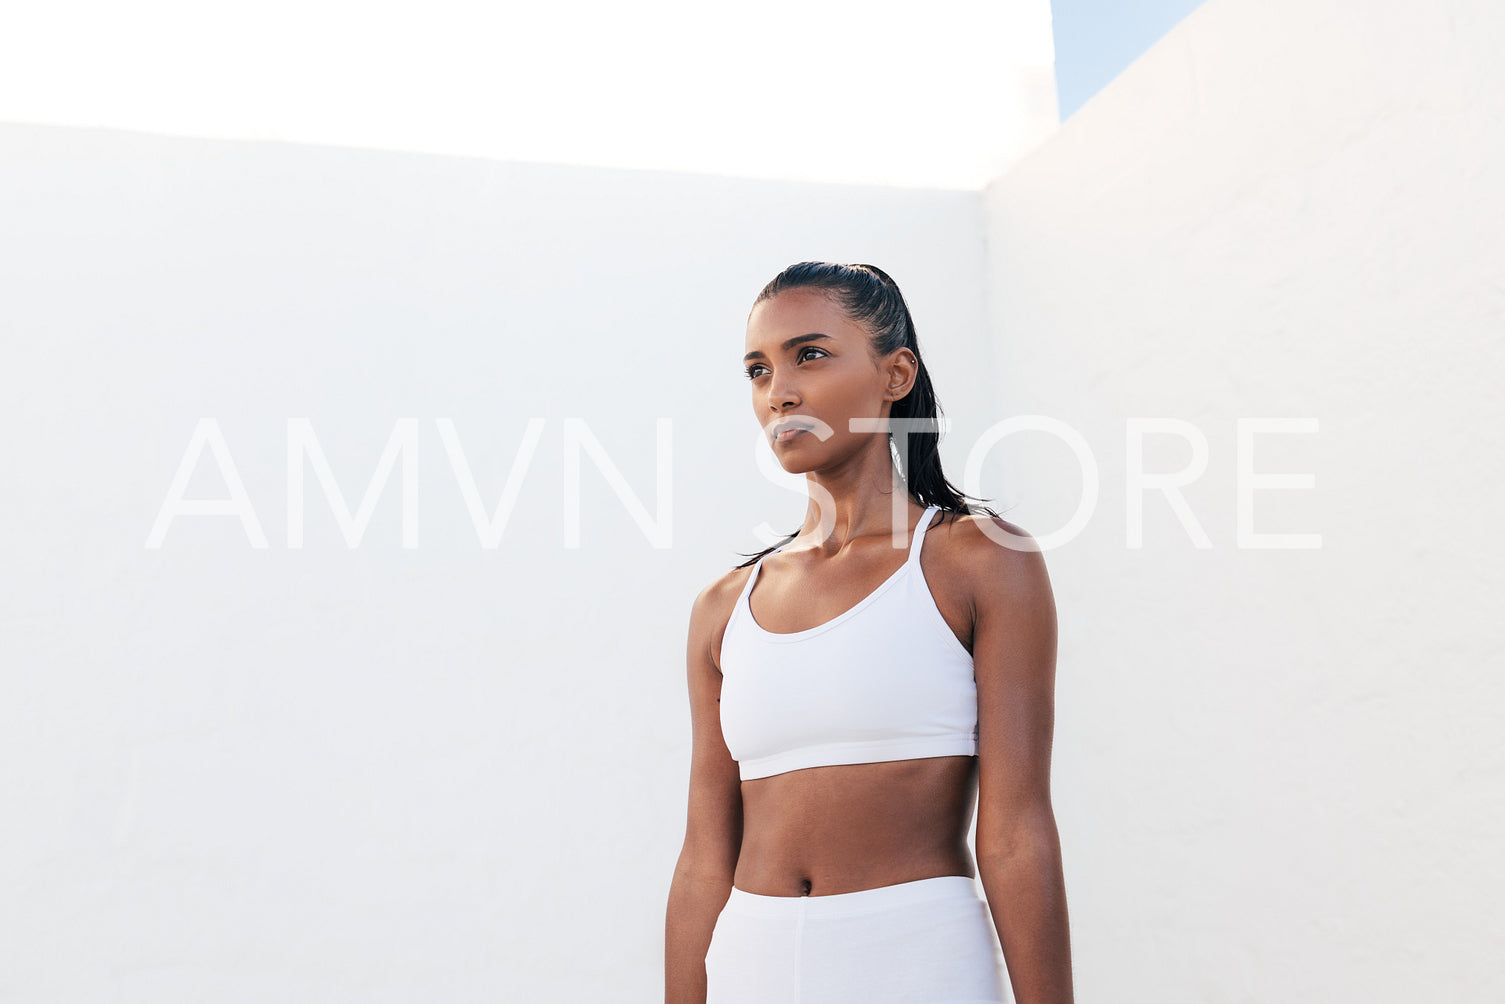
x,y
713,605
987,550
724,589
712,611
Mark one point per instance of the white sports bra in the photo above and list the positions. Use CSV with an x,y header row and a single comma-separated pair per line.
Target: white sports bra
x,y
886,680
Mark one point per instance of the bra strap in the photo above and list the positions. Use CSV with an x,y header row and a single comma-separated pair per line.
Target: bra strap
x,y
919,533
752,576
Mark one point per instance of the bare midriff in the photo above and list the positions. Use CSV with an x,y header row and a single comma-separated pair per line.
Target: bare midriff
x,y
820,831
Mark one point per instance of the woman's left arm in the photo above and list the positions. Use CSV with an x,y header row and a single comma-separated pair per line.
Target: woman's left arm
x,y
1018,848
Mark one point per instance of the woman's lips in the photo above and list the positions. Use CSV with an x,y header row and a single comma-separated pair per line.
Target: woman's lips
x,y
788,434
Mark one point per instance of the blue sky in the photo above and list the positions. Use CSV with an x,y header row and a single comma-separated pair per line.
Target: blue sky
x,y
1097,39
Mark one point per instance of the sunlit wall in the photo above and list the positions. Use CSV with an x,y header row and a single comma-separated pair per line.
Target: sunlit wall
x,y
1278,767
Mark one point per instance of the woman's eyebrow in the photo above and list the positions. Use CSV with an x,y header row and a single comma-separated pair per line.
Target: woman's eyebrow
x,y
791,343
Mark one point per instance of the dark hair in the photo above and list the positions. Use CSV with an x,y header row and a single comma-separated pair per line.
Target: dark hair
x,y
868,296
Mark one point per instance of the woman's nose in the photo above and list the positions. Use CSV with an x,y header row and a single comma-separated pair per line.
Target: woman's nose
x,y
782,392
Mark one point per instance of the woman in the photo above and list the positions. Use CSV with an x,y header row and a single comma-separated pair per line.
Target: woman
x,y
855,688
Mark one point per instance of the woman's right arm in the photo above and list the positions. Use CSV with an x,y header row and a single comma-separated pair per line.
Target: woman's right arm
x,y
713,832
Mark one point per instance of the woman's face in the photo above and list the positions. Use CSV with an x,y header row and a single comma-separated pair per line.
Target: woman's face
x,y
812,369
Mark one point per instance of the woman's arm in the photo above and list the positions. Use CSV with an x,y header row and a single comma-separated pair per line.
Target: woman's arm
x,y
1018,849
713,831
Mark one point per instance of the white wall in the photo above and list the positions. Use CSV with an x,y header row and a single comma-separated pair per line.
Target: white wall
x,y
1278,772
450,773
378,774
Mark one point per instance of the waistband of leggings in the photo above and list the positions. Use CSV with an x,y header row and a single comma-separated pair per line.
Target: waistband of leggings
x,y
847,904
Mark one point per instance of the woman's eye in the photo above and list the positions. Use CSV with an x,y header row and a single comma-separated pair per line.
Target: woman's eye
x,y
753,370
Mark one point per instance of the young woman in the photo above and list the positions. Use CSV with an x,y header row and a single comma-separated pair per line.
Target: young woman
x,y
855,688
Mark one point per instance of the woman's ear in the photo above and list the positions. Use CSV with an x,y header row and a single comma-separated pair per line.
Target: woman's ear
x,y
902,372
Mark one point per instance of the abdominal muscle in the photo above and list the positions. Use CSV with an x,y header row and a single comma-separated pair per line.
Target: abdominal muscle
x,y
820,831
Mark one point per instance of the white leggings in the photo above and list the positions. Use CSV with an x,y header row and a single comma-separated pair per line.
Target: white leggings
x,y
922,942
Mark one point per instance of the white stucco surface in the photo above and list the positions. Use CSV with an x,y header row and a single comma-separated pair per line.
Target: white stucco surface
x,y
1279,771
377,772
